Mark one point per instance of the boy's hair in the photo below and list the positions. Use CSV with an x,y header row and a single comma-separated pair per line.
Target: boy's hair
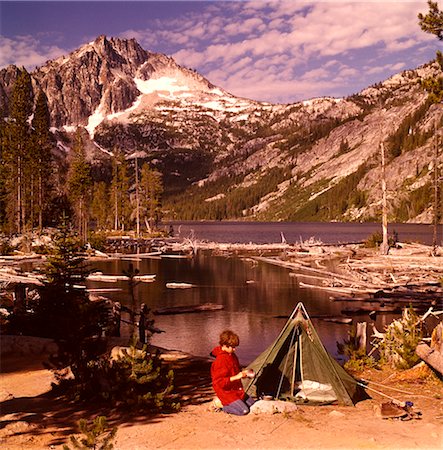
x,y
229,338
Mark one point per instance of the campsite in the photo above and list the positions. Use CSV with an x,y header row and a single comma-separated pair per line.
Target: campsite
x,y
337,413
34,419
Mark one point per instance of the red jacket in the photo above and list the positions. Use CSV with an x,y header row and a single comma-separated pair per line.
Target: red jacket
x,y
225,366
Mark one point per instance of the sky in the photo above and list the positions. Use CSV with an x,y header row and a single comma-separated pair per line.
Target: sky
x,y
276,51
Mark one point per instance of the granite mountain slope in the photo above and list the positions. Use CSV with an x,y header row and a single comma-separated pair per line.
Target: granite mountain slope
x,y
227,157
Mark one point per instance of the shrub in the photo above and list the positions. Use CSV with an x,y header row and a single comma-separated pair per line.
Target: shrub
x,y
376,239
6,247
96,435
401,338
137,379
358,360
97,240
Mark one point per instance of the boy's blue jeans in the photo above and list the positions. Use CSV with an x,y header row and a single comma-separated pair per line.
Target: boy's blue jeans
x,y
239,407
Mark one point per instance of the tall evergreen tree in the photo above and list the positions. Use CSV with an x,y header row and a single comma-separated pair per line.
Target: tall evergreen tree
x,y
100,206
16,161
3,192
42,157
151,190
120,191
79,184
432,23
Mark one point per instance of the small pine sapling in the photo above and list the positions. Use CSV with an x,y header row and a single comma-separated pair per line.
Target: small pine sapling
x,y
96,436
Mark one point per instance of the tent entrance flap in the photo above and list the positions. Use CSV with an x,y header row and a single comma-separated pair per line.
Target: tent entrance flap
x,y
297,367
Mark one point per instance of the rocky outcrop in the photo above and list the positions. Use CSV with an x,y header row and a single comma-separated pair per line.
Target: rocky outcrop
x,y
282,158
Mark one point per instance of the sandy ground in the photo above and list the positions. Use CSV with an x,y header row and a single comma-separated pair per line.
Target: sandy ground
x,y
33,418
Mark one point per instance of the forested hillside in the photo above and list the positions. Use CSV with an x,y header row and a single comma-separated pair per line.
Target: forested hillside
x,y
119,138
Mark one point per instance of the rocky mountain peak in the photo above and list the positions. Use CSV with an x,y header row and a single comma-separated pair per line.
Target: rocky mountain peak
x,y
224,156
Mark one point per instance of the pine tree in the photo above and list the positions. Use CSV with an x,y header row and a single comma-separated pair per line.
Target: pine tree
x,y
100,206
79,184
65,313
432,22
151,190
15,146
120,191
3,191
42,156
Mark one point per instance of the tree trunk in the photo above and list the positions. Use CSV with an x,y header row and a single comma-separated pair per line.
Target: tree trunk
x,y
40,198
384,249
435,205
430,356
361,335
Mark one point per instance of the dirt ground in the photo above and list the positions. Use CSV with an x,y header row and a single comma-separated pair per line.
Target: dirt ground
x,y
33,418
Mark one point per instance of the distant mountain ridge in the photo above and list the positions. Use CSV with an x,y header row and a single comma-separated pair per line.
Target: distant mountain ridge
x,y
225,157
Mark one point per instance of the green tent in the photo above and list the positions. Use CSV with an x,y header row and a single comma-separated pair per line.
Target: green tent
x,y
298,368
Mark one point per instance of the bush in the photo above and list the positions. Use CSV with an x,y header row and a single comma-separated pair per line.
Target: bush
x,y
97,240
6,247
376,239
137,379
358,360
401,338
96,435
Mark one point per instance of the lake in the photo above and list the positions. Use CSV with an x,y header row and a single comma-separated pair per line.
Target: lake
x,y
326,232
252,293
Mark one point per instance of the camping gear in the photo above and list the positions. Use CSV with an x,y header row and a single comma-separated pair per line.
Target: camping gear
x,y
394,410
298,368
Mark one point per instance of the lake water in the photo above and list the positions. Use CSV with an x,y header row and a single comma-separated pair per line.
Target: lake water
x,y
271,232
252,293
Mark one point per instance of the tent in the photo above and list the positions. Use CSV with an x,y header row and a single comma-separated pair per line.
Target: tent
x,y
297,367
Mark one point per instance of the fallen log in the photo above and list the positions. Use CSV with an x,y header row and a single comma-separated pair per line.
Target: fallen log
x,y
98,276
430,356
187,309
341,290
341,320
368,309
179,285
408,294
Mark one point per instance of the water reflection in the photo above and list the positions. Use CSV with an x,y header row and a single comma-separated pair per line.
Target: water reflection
x,y
252,293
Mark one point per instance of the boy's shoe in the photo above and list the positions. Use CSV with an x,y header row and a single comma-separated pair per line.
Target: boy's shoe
x,y
215,405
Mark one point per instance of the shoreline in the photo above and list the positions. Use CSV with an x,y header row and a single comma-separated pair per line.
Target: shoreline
x,y
35,419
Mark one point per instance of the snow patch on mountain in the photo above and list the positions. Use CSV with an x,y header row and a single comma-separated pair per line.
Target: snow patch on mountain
x,y
95,120
162,84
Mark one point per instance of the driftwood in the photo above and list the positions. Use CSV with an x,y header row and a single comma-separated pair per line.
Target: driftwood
x,y
114,278
341,290
430,356
174,285
343,320
437,338
187,309
366,309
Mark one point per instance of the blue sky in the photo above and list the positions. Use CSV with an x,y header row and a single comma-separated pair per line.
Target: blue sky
x,y
278,51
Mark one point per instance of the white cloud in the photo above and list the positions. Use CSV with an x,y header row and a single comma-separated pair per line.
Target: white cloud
x,y
277,50
304,44
26,51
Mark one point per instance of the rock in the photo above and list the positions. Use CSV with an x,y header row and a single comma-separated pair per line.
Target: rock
x,y
5,395
119,352
15,345
272,407
14,428
336,414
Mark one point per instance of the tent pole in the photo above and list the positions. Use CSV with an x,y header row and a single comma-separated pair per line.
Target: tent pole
x,y
286,363
294,367
291,317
